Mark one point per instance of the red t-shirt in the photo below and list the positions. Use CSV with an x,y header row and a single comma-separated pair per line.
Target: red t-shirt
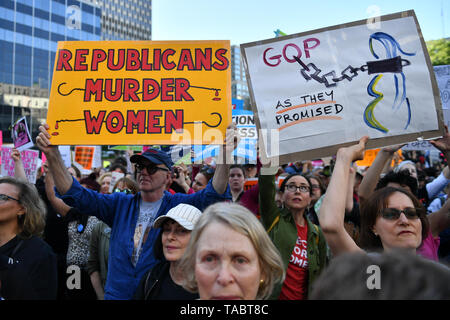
x,y
295,285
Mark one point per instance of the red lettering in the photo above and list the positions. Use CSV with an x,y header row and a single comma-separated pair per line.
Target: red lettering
x,y
277,58
181,87
109,94
93,87
173,121
157,59
93,124
203,60
80,59
64,57
220,55
306,46
166,88
145,64
130,88
185,60
135,120
98,55
120,59
299,52
147,94
114,122
133,62
165,59
153,121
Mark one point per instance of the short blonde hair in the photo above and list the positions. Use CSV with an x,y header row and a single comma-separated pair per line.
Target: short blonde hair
x,y
243,221
103,176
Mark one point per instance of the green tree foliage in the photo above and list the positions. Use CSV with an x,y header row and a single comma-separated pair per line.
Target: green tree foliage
x,y
439,51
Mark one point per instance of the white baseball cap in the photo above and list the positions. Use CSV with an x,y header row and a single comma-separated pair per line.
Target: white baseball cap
x,y
185,214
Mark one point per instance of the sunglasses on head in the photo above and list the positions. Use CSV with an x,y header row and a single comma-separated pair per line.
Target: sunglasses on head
x,y
4,197
151,168
126,191
394,214
208,170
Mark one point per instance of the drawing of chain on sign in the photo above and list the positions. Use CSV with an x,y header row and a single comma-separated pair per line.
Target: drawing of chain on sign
x,y
392,63
128,90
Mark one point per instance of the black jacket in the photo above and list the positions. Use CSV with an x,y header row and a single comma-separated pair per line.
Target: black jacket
x,y
157,284
27,270
149,286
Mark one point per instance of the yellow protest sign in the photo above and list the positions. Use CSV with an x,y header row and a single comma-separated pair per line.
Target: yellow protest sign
x,y
370,155
140,92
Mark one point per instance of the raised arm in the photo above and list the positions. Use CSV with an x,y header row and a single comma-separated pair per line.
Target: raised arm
x,y
438,184
372,175
443,144
62,178
350,186
19,171
332,210
440,220
57,203
180,179
222,172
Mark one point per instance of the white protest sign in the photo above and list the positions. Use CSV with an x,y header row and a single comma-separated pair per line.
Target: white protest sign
x,y
116,176
324,89
21,135
418,145
66,155
29,160
97,161
442,74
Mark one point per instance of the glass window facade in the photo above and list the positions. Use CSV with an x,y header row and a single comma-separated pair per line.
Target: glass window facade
x,y
31,29
29,32
126,20
239,88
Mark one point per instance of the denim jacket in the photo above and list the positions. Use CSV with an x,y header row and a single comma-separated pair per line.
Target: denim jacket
x,y
120,211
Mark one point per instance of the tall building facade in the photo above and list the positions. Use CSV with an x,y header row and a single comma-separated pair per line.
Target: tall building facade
x,y
29,33
126,19
239,88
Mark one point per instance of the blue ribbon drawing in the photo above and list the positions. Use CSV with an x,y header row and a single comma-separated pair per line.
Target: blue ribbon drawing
x,y
391,47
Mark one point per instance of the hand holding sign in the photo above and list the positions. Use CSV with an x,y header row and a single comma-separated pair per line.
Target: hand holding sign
x,y
354,152
43,139
63,180
443,143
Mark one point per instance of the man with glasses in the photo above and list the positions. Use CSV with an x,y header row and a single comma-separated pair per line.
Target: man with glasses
x,y
131,216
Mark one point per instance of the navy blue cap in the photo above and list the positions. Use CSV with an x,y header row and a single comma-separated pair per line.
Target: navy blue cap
x,y
154,156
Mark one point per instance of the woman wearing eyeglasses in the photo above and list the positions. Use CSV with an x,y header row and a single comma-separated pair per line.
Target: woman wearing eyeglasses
x,y
390,217
301,243
27,263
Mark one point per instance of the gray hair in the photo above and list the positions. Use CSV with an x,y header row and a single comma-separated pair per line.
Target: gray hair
x,y
243,221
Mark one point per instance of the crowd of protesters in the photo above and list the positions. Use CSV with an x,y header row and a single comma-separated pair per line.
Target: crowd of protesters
x,y
175,231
